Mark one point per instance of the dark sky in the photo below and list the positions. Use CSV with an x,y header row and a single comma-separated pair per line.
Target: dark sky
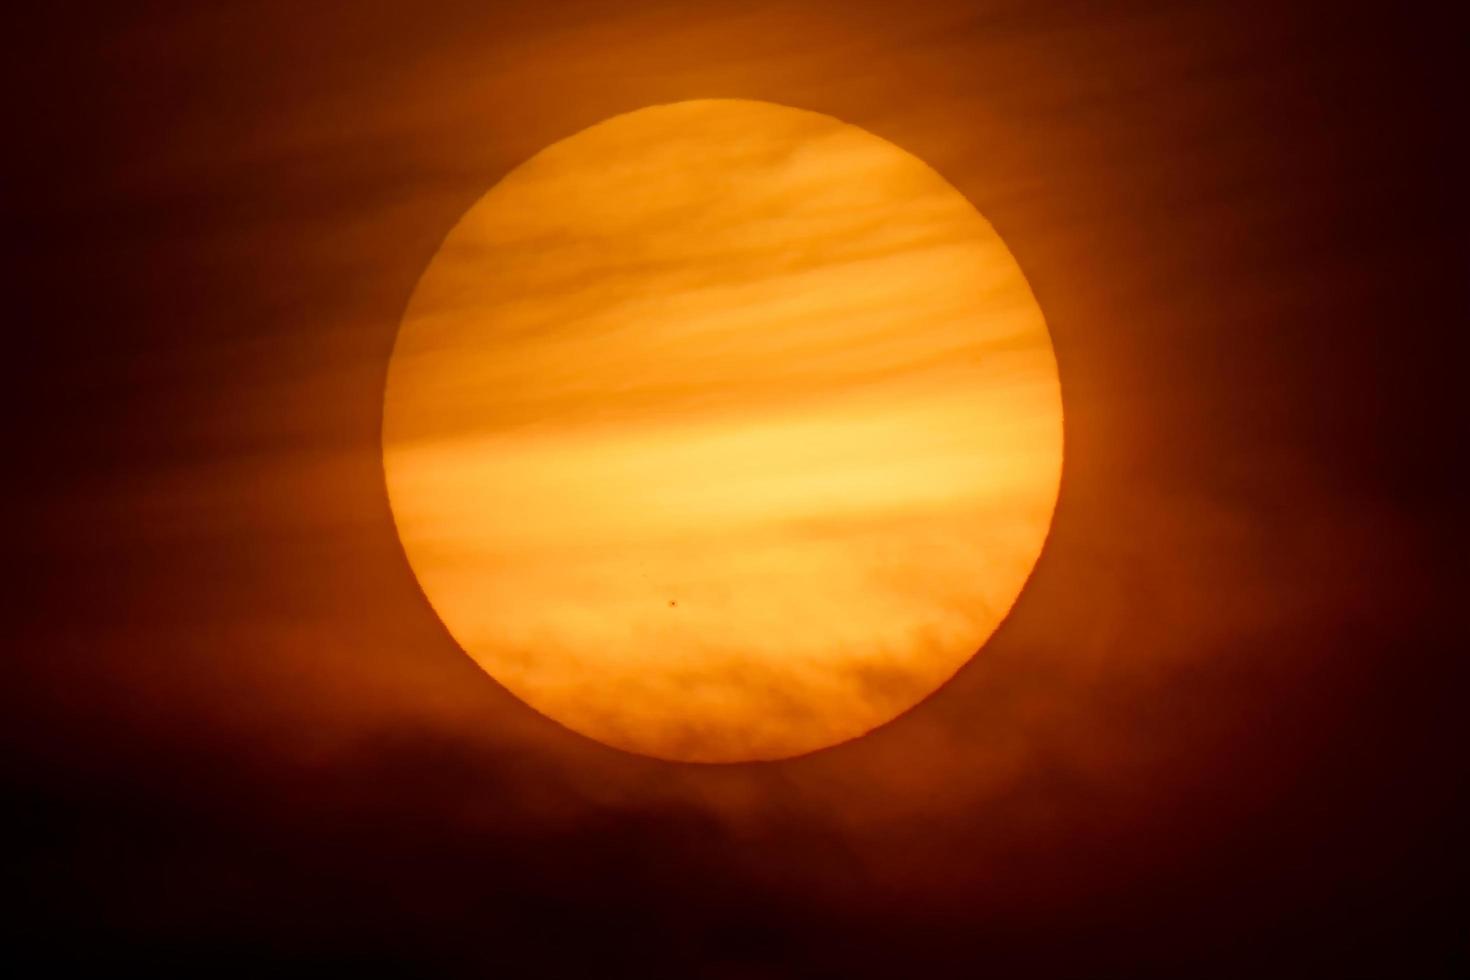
x,y
1213,737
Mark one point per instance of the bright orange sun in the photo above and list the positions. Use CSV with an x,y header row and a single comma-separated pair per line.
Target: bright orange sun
x,y
722,431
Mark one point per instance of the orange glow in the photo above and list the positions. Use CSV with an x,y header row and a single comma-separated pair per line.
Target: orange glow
x,y
722,431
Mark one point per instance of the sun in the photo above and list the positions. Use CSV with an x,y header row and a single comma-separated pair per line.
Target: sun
x,y
722,431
